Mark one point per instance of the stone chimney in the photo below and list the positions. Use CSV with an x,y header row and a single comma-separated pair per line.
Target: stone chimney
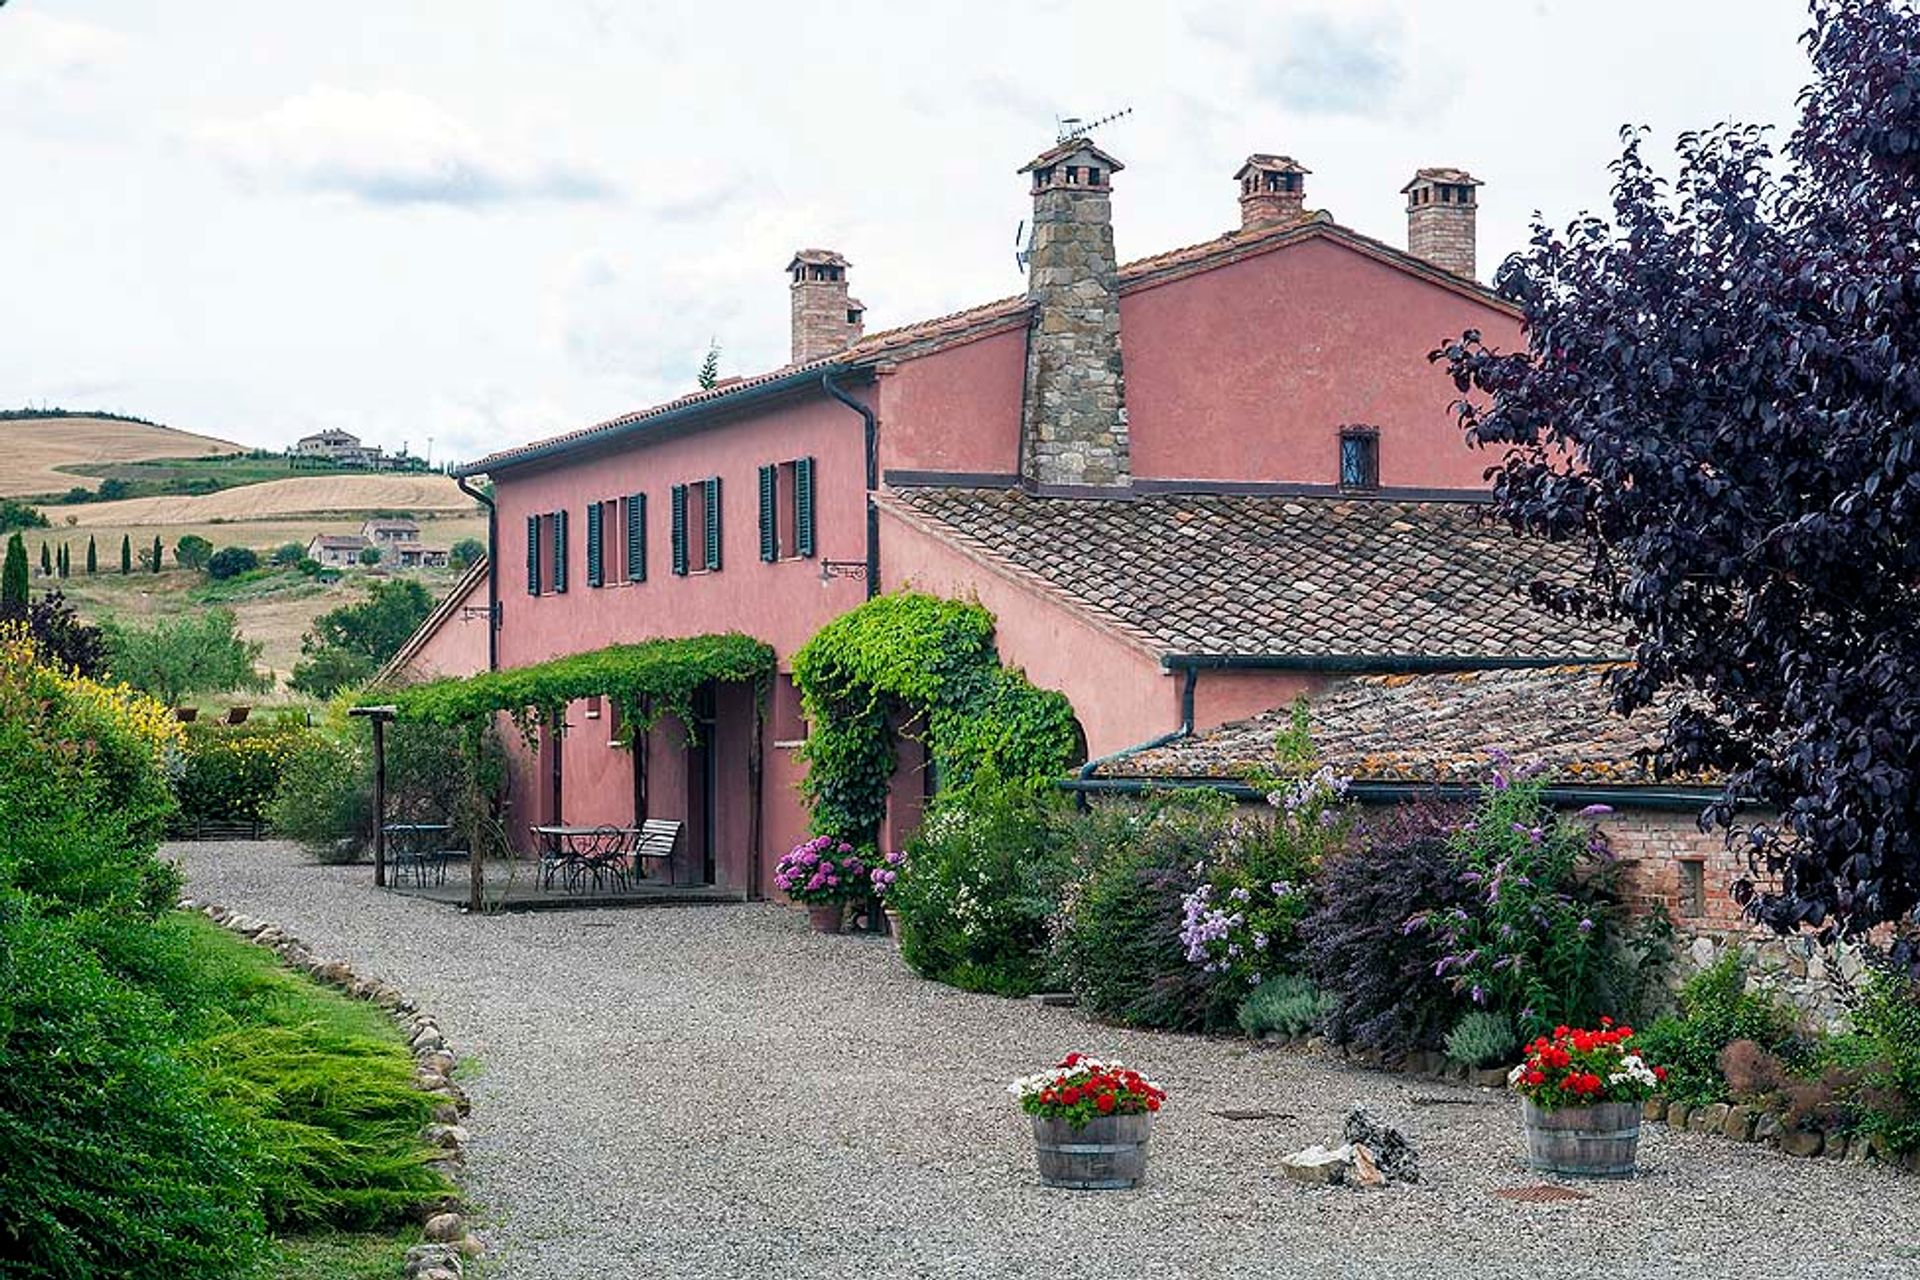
x,y
825,319
1273,190
1074,428
1441,210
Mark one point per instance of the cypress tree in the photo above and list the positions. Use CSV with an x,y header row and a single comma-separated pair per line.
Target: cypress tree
x,y
157,553
65,562
93,557
126,553
46,560
13,579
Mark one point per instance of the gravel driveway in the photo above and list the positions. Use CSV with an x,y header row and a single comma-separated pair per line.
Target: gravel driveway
x,y
714,1092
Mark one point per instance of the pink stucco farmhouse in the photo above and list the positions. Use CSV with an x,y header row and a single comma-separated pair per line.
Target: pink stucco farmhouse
x,y
1189,488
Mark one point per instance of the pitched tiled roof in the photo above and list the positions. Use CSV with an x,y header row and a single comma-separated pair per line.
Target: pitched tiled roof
x,y
1309,576
923,336
1433,729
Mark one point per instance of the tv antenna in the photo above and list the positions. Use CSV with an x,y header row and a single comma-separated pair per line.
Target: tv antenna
x,y
1022,245
1071,127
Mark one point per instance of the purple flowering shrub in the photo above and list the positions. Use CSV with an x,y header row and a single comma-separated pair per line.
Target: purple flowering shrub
x,y
824,869
1536,937
1379,976
1255,884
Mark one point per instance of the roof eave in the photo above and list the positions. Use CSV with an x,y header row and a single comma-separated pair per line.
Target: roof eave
x,y
625,429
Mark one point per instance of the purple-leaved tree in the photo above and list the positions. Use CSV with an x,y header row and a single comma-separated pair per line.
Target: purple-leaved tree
x,y
1720,396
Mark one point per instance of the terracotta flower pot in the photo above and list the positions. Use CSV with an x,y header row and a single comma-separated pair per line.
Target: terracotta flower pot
x,y
826,917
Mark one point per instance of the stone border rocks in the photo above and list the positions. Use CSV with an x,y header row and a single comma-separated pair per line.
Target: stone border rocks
x,y
1754,1124
447,1242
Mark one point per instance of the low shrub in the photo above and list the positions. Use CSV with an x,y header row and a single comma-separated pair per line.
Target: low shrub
x,y
230,773
325,799
1116,937
1483,1038
1288,1003
1356,943
977,887
1715,1010
1886,1013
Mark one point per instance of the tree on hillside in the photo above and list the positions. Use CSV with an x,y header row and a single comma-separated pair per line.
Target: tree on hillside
x,y
231,562
289,554
13,577
46,559
126,554
192,552
155,562
349,644
709,375
369,555
65,564
93,557
15,514
466,553
175,658
1720,397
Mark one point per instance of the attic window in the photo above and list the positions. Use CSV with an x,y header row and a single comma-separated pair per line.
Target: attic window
x,y
1359,458
1093,176
853,316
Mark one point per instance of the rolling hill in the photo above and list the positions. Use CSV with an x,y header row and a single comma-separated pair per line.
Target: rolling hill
x,y
33,450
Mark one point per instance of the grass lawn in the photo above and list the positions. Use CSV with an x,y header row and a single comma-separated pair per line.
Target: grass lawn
x,y
324,1086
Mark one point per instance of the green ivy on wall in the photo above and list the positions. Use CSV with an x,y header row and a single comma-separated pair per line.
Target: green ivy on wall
x,y
927,667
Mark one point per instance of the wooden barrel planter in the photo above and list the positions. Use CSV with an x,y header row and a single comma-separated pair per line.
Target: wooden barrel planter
x,y
827,917
1583,1142
1107,1153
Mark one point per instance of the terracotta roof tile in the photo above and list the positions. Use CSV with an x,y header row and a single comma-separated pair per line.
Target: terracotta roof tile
x,y
1295,575
1434,729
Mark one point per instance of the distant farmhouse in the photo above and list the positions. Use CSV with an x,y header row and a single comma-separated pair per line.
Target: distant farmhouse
x,y
397,540
341,447
337,550
388,532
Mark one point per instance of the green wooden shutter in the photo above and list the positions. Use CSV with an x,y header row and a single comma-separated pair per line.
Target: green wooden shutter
x,y
533,555
560,552
713,522
680,530
596,568
769,495
636,537
803,506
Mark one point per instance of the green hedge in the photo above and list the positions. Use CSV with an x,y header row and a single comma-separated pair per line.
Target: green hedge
x,y
229,773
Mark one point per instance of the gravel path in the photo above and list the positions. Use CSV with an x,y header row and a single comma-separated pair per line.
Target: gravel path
x,y
714,1092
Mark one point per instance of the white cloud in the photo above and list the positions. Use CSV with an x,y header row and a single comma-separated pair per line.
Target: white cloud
x,y
1349,60
390,147
36,50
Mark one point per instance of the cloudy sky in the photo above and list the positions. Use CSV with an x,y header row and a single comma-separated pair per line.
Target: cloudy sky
x,y
481,222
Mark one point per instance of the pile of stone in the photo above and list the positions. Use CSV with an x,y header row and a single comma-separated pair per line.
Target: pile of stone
x,y
448,1241
1371,1154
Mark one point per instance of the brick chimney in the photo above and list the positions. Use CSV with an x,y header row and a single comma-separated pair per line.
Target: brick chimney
x,y
1441,211
825,319
1273,190
1074,432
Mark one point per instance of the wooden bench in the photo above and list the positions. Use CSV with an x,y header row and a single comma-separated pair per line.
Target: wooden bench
x,y
656,841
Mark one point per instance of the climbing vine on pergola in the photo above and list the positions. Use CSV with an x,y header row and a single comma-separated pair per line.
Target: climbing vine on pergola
x,y
928,668
648,682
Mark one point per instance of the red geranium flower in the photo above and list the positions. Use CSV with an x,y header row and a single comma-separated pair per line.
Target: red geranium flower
x,y
1105,1103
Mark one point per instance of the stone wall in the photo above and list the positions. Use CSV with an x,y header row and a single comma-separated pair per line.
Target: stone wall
x,y
1075,428
1671,863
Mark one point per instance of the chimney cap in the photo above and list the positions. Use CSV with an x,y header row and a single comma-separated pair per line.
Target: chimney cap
x,y
1261,163
1067,150
817,258
1452,177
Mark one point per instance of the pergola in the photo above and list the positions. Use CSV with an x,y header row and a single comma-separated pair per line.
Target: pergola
x,y
648,681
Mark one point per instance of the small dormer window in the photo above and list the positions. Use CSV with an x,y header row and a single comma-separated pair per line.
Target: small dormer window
x,y
1359,458
853,317
1093,176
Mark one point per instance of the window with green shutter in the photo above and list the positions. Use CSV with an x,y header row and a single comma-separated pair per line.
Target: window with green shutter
x,y
533,555
596,569
769,496
636,537
680,530
803,506
560,552
710,517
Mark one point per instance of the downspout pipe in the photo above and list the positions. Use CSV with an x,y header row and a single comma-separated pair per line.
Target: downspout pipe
x,y
1084,781
493,569
872,440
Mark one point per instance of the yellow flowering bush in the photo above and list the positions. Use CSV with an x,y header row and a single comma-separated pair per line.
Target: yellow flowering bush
x,y
230,772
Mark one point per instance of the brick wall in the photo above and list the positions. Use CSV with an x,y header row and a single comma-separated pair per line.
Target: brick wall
x,y
1672,863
